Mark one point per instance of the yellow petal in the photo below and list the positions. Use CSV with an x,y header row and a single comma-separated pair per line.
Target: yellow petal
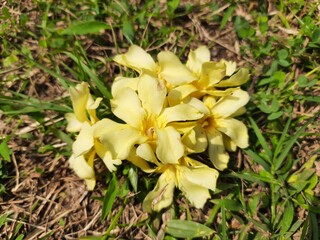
x,y
241,77
195,182
181,112
83,170
106,157
123,82
199,105
209,101
136,58
239,112
172,70
126,105
183,127
195,140
139,162
169,146
211,74
152,93
79,96
234,129
230,67
92,105
162,195
229,144
118,138
228,105
146,152
178,94
74,125
217,154
84,141
197,58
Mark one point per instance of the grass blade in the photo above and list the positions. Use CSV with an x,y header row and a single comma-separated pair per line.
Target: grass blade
x,y
255,157
100,85
109,197
261,139
279,160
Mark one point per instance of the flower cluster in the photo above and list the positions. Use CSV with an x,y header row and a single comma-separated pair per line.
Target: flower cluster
x,y
169,111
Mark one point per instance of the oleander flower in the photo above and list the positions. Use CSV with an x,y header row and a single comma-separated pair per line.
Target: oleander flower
x,y
193,178
219,129
84,107
210,77
168,68
147,122
86,145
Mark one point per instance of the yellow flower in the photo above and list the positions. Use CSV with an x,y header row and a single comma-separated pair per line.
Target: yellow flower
x,y
210,75
86,145
83,106
147,122
168,68
193,178
220,128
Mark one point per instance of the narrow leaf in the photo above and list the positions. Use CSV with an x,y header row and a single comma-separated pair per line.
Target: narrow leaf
x,y
278,161
110,197
187,229
255,157
287,218
261,139
100,85
85,28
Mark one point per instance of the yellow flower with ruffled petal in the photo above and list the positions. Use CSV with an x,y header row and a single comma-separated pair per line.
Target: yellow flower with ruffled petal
x,y
210,77
147,122
168,68
86,146
219,129
84,107
193,178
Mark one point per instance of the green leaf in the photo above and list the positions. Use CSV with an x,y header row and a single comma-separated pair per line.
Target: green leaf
x,y
314,226
227,15
275,115
283,54
128,30
5,151
100,85
109,197
316,35
187,229
284,152
85,28
284,63
252,177
293,229
287,218
243,28
133,178
3,219
253,204
256,158
172,6
229,204
262,140
20,237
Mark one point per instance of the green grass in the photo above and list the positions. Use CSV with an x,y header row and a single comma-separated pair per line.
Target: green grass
x,y
269,191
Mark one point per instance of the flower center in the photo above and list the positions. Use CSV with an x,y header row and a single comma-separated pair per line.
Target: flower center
x,y
208,123
149,127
